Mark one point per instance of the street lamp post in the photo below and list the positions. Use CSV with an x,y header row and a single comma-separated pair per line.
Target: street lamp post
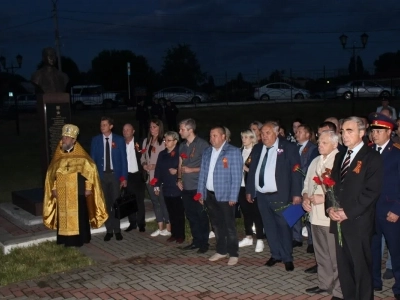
x,y
343,40
12,67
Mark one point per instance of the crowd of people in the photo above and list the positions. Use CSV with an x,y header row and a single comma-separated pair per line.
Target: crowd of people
x,y
345,175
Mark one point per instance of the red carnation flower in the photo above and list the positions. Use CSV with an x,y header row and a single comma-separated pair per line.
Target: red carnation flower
x,y
184,156
296,167
143,150
329,182
317,180
153,181
197,197
122,178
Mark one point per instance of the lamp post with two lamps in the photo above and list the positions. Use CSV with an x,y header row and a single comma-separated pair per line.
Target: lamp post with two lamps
x,y
343,40
12,67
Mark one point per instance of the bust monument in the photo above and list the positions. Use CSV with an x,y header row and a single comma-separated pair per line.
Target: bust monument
x,y
49,79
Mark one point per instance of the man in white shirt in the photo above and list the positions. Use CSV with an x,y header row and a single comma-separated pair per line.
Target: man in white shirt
x,y
136,184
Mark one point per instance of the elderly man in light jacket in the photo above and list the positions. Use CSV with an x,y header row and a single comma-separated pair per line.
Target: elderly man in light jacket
x,y
314,203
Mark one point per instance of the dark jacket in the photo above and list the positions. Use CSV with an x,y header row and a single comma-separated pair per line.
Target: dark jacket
x,y
167,181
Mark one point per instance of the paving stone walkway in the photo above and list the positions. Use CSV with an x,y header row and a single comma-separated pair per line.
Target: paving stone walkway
x,y
141,267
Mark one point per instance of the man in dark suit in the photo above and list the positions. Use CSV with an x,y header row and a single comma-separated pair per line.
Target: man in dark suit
x,y
108,151
388,207
304,134
357,174
272,181
136,184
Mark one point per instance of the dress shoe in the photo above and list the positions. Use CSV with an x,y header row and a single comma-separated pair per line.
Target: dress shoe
x,y
202,249
272,261
119,236
388,274
310,248
142,228
108,237
297,244
315,290
131,227
312,270
336,298
378,289
180,240
233,261
190,247
217,256
289,266
171,239
397,296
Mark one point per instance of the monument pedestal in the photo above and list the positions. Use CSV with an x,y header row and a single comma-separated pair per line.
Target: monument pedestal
x,y
29,200
54,111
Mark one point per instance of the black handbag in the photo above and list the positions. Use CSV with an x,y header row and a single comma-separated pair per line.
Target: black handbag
x,y
125,205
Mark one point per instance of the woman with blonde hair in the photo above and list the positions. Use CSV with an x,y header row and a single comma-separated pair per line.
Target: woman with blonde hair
x,y
251,213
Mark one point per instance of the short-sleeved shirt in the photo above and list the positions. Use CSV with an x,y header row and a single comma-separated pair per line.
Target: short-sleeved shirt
x,y
194,152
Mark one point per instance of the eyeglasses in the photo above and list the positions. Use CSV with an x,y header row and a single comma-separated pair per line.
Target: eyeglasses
x,y
168,141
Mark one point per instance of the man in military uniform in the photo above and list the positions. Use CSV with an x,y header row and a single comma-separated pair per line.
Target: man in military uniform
x,y
388,205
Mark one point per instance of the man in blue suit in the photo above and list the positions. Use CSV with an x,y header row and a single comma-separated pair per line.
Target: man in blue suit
x,y
219,184
108,151
387,222
272,181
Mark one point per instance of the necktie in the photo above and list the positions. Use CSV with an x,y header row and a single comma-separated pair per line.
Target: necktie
x,y
345,166
299,147
262,169
379,150
108,156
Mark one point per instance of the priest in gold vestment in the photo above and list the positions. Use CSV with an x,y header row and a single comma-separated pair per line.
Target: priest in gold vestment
x,y
73,198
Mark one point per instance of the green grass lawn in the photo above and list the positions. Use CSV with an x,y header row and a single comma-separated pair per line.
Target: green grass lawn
x,y
20,155
40,260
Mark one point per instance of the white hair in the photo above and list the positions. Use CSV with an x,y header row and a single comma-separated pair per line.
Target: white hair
x,y
333,137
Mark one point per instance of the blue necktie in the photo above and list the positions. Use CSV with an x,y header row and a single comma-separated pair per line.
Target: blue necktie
x,y
262,169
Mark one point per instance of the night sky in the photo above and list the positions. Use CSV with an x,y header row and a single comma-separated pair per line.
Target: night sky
x,y
249,36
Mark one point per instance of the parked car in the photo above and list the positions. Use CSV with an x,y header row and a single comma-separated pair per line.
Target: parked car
x,y
25,102
363,88
279,91
90,95
180,94
327,94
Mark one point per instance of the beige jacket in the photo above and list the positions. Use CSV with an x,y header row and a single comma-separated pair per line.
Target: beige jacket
x,y
316,168
151,160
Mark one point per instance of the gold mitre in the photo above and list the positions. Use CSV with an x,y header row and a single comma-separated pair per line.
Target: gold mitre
x,y
70,130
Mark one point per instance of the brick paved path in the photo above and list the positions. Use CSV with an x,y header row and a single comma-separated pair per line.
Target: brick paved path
x,y
140,267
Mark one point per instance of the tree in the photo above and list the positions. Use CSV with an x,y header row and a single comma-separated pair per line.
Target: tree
x,y
181,67
388,64
70,68
353,72
109,68
276,76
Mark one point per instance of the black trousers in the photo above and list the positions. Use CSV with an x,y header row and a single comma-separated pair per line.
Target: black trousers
x,y
136,186
251,215
222,217
355,266
176,216
197,217
111,192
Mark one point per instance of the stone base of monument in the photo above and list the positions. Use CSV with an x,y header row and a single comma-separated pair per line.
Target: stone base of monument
x,y
29,200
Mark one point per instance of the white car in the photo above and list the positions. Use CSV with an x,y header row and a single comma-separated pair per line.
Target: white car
x,y
280,91
180,94
363,88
